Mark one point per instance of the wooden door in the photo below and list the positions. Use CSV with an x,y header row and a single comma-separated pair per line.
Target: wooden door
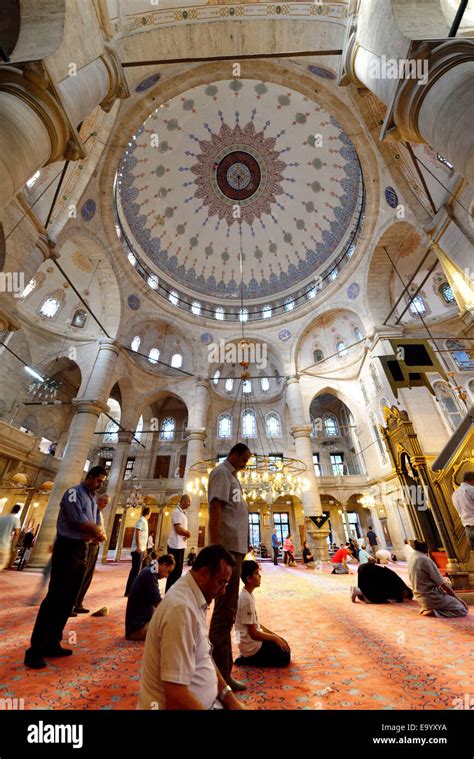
x,y
115,532
201,536
153,524
162,467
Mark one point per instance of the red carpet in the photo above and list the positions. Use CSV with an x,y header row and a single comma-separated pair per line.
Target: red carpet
x,y
345,656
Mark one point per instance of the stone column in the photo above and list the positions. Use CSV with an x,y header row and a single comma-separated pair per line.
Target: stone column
x,y
436,106
301,431
195,453
38,119
71,472
114,486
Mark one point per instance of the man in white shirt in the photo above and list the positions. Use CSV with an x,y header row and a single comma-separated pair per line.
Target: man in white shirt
x,y
258,646
140,539
10,526
178,671
178,538
463,500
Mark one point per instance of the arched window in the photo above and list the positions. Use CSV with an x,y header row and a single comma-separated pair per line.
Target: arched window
x,y
167,429
470,387
176,360
249,424
229,385
273,425
417,305
52,304
153,281
224,426
315,427
30,183
266,312
331,425
243,314
446,292
332,274
448,403
33,284
460,356
341,348
264,384
247,386
216,377
358,334
377,439
139,429
289,304
220,313
196,308
375,378
153,356
135,344
318,355
173,297
363,390
111,431
132,259
79,318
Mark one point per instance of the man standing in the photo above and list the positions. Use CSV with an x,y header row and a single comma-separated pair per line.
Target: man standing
x,y
177,539
10,526
145,596
177,670
275,546
372,538
91,561
228,526
463,500
139,542
78,522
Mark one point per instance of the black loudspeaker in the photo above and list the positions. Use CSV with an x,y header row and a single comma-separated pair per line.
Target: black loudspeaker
x,y
416,356
399,375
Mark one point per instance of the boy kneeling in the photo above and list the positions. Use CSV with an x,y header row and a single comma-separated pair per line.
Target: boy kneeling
x,y
258,646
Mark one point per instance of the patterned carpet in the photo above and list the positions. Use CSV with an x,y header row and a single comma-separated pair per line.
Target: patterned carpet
x,y
344,655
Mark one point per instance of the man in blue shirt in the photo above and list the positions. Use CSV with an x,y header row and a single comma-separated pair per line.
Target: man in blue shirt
x,y
78,524
144,596
275,546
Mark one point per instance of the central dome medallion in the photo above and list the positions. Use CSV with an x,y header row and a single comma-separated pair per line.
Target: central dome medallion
x,y
239,162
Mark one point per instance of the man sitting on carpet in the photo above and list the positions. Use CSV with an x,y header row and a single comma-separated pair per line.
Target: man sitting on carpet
x,y
340,561
432,591
258,646
144,596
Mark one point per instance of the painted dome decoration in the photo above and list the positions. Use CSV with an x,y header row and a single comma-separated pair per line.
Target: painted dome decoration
x,y
239,163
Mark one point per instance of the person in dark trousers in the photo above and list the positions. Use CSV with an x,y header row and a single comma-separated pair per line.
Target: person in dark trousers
x,y
138,548
259,647
229,527
372,538
91,561
177,539
191,557
275,546
145,596
377,584
78,522
28,541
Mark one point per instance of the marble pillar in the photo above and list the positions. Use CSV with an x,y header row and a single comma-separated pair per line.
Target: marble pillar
x,y
301,431
195,452
114,486
71,471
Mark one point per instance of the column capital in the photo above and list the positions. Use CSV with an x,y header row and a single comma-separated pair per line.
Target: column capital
x,y
108,343
292,379
301,430
197,434
125,436
411,94
85,406
34,87
118,87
